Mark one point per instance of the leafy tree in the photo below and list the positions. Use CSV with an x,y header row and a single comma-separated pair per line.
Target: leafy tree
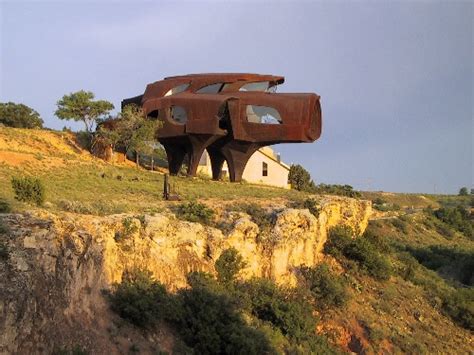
x,y
300,179
19,116
136,133
463,191
81,106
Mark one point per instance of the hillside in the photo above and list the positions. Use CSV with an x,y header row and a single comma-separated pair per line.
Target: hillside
x,y
343,277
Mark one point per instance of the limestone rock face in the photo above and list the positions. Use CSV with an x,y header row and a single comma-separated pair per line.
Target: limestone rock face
x,y
51,285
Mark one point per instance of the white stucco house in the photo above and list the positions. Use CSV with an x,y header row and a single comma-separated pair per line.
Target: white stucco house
x,y
264,167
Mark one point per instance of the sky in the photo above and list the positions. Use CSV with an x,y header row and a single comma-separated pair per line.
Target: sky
x,y
395,78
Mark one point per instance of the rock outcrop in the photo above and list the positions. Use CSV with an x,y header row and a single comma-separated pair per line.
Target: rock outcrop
x,y
58,266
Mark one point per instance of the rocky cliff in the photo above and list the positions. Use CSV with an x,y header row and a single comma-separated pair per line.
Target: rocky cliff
x,y
59,264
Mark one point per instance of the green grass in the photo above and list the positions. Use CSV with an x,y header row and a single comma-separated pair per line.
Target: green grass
x,y
103,188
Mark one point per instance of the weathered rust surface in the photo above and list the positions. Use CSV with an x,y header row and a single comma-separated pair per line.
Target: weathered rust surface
x,y
219,119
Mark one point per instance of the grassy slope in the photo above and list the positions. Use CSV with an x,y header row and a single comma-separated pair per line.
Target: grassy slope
x,y
74,180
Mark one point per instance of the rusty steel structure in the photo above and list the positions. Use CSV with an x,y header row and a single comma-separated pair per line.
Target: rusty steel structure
x,y
229,115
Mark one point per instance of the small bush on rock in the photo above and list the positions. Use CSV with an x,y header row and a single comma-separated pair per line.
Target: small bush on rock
x,y
28,189
195,212
4,206
228,265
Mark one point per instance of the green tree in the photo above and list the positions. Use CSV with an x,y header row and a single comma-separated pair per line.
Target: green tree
x,y
300,179
136,132
81,106
463,191
19,116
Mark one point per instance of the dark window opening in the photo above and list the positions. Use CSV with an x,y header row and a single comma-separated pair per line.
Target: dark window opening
x,y
264,169
153,115
178,114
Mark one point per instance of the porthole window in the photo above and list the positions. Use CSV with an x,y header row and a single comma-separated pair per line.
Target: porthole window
x,y
211,89
153,115
264,169
177,89
263,114
178,114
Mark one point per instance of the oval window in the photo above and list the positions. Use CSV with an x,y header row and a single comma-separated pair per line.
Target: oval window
x,y
263,114
178,114
177,89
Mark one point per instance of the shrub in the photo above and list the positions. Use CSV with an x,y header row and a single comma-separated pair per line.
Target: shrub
x,y
259,215
139,298
408,267
459,305
28,189
19,116
4,206
228,265
195,212
340,244
211,324
458,218
400,225
313,206
290,312
3,251
334,189
339,237
327,288
129,227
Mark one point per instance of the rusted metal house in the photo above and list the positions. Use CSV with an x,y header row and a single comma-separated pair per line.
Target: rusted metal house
x,y
230,115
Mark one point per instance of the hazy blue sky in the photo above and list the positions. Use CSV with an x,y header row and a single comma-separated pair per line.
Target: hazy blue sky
x,y
396,78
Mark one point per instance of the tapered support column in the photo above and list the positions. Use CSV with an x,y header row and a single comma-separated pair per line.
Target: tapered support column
x,y
217,161
198,143
237,155
175,154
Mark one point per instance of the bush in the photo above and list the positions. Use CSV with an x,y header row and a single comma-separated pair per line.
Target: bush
x,y
459,305
19,116
457,263
400,225
334,189
327,288
362,250
4,255
139,298
288,311
4,206
458,218
28,189
228,265
195,212
310,204
211,324
259,216
129,227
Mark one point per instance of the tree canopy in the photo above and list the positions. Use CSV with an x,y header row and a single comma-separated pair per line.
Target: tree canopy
x,y
300,179
81,106
131,130
19,116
